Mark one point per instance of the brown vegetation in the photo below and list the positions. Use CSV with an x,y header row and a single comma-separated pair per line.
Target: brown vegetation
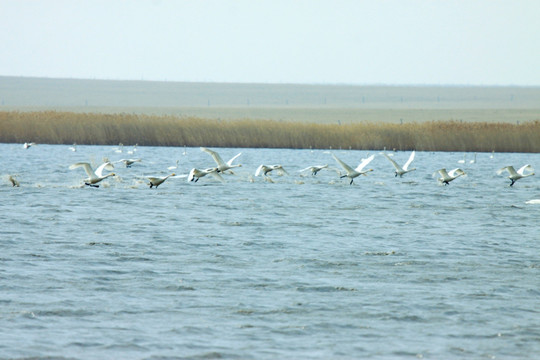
x,y
53,127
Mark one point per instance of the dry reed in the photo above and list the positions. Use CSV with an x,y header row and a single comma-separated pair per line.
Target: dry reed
x,y
53,127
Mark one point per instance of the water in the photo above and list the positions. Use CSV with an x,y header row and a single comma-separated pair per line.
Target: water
x,y
305,267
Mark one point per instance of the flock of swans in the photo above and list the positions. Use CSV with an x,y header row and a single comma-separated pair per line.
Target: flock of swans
x,y
443,176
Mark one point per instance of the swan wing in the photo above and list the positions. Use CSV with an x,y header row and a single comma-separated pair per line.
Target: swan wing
x,y
456,172
442,172
86,166
346,167
259,170
105,166
510,169
525,167
411,158
215,174
392,161
232,159
364,163
219,161
281,170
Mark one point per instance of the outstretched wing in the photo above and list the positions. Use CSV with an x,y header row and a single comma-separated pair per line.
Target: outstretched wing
x,y
510,169
84,165
525,167
219,161
364,163
392,161
234,158
259,170
346,167
456,172
411,158
105,166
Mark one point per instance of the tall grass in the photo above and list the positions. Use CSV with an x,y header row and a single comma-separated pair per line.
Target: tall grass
x,y
110,129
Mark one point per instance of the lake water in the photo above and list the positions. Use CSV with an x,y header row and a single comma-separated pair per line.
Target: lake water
x,y
304,267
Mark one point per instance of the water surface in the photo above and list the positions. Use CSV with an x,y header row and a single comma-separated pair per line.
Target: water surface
x,y
301,267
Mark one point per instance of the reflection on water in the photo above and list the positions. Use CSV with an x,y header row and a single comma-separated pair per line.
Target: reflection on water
x,y
298,267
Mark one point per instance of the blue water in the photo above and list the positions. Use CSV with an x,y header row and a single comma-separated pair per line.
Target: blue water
x,y
302,267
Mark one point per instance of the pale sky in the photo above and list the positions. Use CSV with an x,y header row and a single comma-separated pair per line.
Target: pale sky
x,y
395,42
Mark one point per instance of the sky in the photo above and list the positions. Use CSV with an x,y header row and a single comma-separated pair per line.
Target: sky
x,y
392,42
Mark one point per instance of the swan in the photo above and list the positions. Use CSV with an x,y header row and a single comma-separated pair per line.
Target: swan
x,y
94,176
27,145
401,170
13,181
129,162
222,165
265,169
156,181
446,177
314,169
352,173
196,174
134,150
473,161
516,175
73,147
173,167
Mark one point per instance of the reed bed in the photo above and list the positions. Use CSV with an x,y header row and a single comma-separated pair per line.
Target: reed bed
x,y
53,127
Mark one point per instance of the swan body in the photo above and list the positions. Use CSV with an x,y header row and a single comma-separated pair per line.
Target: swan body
x,y
27,145
156,181
516,175
222,165
315,169
401,170
96,176
73,147
353,173
451,175
196,174
265,169
174,166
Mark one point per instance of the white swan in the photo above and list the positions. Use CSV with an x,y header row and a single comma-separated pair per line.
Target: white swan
x,y
94,176
446,177
352,173
314,169
196,174
516,175
156,181
129,162
265,169
221,165
27,145
73,147
401,170
174,166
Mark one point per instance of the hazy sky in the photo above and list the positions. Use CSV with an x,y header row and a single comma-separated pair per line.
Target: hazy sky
x,y
468,42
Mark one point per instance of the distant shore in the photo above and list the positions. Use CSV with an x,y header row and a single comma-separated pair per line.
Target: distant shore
x,y
58,127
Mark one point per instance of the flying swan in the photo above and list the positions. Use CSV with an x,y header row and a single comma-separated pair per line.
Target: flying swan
x,y
352,173
265,169
196,174
156,181
222,165
516,175
401,170
314,169
94,176
446,177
